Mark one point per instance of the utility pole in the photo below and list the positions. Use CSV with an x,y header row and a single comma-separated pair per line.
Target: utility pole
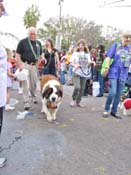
x,y
58,37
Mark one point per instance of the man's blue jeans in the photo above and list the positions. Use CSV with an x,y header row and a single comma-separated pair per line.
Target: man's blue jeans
x,y
101,82
115,91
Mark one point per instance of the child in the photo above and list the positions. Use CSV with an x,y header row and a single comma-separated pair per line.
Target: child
x,y
62,68
10,77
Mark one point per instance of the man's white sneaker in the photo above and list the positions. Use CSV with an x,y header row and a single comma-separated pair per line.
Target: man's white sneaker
x,y
26,106
2,162
9,108
105,114
20,91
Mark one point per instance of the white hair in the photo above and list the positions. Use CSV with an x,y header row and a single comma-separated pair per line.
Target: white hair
x,y
32,29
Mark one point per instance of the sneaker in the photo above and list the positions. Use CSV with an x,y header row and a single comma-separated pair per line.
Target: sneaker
x,y
80,105
99,95
105,114
20,91
73,103
116,115
34,100
26,107
9,108
2,162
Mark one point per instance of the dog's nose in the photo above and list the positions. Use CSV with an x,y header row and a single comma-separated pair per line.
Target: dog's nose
x,y
53,98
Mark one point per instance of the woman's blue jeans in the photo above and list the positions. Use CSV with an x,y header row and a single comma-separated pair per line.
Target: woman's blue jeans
x,y
70,71
115,91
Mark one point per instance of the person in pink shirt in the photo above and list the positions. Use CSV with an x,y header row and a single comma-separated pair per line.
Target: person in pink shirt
x,y
10,77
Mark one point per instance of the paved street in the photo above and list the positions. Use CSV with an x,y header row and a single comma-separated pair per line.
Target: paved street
x,y
80,142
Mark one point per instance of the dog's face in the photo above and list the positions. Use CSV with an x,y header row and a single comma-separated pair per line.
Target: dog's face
x,y
52,93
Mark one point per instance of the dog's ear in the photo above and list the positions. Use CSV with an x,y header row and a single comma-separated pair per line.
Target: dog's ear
x,y
47,92
60,91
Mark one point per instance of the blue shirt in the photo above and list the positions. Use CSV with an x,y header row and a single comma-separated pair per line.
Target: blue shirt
x,y
122,59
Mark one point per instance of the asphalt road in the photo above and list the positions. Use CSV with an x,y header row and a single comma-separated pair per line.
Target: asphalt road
x,y
80,142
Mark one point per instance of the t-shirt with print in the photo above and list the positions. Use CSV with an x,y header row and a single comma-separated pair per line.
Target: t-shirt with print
x,y
82,59
122,59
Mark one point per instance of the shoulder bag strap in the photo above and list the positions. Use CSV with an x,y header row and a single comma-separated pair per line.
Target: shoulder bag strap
x,y
32,49
48,62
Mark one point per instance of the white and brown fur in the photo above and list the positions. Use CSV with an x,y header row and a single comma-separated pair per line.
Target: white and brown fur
x,y
51,91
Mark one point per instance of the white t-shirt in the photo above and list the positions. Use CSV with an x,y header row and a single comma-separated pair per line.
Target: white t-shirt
x,y
84,60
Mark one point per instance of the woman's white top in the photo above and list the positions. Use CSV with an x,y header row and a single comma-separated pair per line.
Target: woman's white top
x,y
84,60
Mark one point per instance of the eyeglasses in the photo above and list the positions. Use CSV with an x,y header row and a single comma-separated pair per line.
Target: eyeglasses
x,y
32,33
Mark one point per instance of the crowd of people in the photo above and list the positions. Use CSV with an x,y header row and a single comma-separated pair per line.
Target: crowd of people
x,y
79,66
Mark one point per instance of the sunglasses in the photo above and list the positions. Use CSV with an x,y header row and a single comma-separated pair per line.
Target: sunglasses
x,y
32,33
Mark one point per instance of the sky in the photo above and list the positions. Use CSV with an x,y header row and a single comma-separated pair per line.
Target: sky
x,y
117,17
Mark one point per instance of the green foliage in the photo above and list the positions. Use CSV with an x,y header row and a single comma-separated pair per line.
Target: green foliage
x,y
32,16
49,29
72,29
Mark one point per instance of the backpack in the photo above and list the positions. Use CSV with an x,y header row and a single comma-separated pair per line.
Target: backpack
x,y
118,45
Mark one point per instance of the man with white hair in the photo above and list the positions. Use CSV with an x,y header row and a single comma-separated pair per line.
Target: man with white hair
x,y
28,51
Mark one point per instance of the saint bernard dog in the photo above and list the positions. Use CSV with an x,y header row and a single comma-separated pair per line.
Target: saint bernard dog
x,y
51,91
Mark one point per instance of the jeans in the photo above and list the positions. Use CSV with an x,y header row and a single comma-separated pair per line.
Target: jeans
x,y
62,77
70,71
70,75
1,118
115,92
101,82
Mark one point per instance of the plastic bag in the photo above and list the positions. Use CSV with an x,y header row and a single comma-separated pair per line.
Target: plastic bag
x,y
21,75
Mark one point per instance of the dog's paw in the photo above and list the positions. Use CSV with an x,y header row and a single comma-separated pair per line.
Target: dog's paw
x,y
54,118
50,120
